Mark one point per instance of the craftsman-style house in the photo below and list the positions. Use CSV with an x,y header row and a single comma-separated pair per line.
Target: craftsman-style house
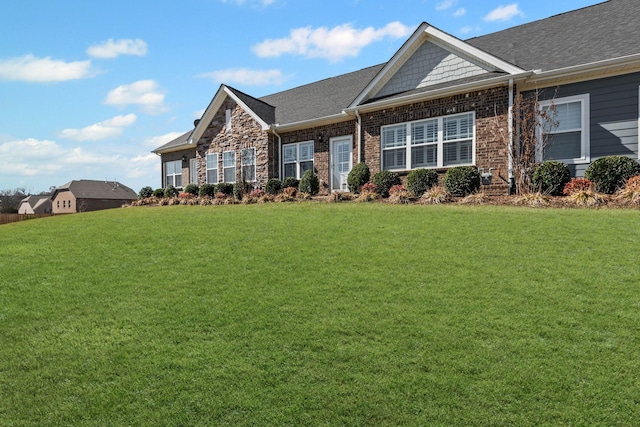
x,y
438,102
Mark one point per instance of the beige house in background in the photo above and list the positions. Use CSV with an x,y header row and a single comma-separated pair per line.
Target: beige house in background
x,y
35,205
87,195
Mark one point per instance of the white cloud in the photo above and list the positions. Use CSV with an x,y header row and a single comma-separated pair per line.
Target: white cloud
x,y
469,29
111,128
262,3
157,141
28,68
143,165
114,48
333,44
504,13
460,12
446,4
246,76
145,93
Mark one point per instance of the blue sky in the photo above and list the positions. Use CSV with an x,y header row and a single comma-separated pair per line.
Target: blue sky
x,y
89,88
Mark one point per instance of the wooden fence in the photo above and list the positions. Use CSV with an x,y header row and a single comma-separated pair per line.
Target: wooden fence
x,y
8,218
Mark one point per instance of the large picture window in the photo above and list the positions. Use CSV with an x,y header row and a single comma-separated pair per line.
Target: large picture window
x,y
440,142
568,140
212,168
298,158
229,166
173,173
248,160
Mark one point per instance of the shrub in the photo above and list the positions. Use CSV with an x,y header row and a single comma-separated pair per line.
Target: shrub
x,y
630,194
170,191
191,189
225,188
358,176
435,195
145,192
550,177
611,172
577,184
369,187
257,193
384,180
185,195
309,183
398,194
273,186
239,189
398,188
461,180
158,192
290,182
586,198
533,200
207,190
420,180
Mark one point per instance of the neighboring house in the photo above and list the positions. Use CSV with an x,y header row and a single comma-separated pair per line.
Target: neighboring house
x,y
35,205
438,102
86,195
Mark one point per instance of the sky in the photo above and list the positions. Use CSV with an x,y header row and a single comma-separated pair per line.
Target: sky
x,y
89,88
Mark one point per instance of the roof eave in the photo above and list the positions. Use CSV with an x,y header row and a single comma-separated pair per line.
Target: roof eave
x,y
305,124
185,146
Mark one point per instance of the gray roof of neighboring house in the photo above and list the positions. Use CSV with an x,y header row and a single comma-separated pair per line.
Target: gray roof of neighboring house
x,y
104,190
595,33
38,203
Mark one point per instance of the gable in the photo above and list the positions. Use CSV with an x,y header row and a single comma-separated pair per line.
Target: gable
x,y
430,65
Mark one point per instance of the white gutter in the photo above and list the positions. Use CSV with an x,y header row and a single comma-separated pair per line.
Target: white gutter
x,y
510,127
303,124
359,135
280,163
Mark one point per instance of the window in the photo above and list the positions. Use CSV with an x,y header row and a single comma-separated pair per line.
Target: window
x,y
298,158
173,173
229,166
440,142
569,140
248,162
227,120
193,169
212,168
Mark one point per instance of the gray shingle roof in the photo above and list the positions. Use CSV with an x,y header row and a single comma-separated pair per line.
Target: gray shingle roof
x,y
265,111
89,189
603,31
181,140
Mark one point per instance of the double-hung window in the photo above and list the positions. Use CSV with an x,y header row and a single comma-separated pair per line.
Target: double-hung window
x,y
439,142
298,158
173,173
565,136
248,160
212,168
229,166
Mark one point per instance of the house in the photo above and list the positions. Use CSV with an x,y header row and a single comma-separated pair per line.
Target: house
x,y
87,195
438,102
35,205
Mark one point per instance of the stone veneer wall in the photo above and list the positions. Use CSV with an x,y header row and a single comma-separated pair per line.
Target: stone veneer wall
x,y
245,133
321,161
491,107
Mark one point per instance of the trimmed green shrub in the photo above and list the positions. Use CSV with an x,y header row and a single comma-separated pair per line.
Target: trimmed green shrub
x,y
240,189
358,176
207,190
610,173
145,192
309,183
384,180
191,189
420,180
290,182
550,177
273,186
158,192
225,188
461,181
171,191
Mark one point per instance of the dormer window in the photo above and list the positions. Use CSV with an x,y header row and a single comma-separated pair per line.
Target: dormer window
x,y
228,119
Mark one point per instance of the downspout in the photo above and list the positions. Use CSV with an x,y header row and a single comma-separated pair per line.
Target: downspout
x,y
273,129
359,135
512,182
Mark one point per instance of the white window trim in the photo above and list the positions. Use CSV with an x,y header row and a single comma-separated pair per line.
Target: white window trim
x,y
297,162
207,169
585,138
166,184
440,142
638,122
242,165
229,167
193,167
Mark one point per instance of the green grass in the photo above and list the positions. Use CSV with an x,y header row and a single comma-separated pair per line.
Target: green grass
x,y
321,314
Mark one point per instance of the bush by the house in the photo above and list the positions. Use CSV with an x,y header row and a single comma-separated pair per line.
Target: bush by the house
x,y
550,177
225,188
309,183
207,190
630,194
273,186
610,173
240,189
170,191
577,184
191,189
384,180
358,176
158,192
420,180
145,192
461,181
290,182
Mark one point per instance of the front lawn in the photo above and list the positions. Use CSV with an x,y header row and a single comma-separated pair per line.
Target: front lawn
x,y
321,314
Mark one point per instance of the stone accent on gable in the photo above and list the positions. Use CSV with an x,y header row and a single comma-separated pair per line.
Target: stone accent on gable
x,y
244,132
491,107
429,65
